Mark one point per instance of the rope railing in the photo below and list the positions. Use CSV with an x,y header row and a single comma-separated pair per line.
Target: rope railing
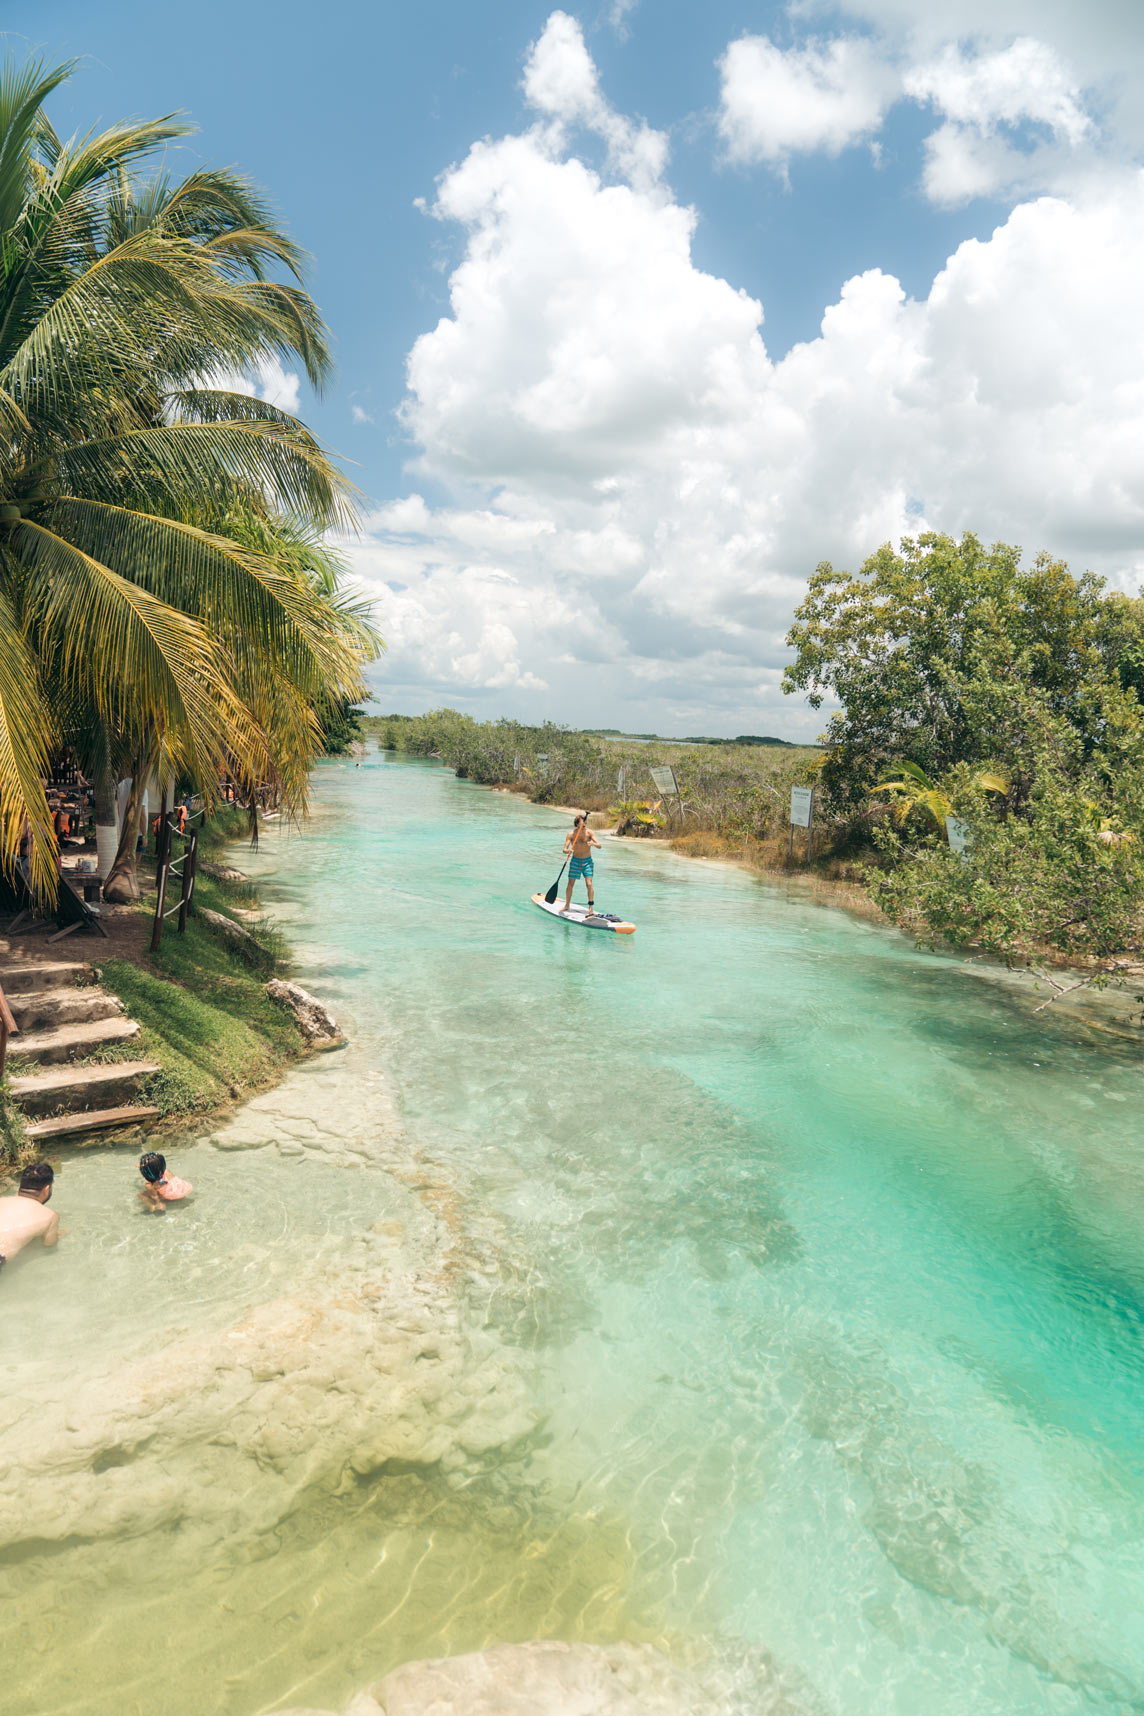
x,y
182,869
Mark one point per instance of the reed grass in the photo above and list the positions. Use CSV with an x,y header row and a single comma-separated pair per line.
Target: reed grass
x,y
737,793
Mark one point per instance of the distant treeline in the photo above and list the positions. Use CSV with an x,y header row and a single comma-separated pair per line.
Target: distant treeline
x,y
690,738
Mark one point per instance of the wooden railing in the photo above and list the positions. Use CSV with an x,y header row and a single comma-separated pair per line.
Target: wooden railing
x,y
180,869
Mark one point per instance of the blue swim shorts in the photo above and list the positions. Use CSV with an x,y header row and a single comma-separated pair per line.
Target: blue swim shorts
x,y
580,867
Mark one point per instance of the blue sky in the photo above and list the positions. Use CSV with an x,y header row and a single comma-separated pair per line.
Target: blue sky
x,y
608,507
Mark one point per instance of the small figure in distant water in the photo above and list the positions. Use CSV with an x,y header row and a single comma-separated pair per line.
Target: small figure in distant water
x,y
24,1217
161,1188
580,841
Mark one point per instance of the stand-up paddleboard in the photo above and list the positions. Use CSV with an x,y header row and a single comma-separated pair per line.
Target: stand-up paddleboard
x,y
577,914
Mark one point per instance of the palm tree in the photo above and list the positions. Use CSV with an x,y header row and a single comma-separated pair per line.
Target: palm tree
x,y
914,791
162,590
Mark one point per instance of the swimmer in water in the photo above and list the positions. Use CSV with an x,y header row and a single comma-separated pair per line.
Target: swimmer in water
x,y
161,1188
25,1217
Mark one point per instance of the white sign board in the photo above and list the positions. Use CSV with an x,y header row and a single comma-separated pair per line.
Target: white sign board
x,y
542,759
958,835
620,783
801,806
664,779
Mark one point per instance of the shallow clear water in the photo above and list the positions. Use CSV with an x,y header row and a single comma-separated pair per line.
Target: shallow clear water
x,y
827,1254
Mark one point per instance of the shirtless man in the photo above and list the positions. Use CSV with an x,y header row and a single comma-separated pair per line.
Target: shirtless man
x,y
25,1217
579,842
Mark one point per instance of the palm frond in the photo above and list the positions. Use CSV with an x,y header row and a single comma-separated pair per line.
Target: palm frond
x,y
25,736
139,659
23,91
167,466
240,595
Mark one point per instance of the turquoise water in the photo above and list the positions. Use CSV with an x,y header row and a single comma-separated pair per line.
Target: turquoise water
x,y
831,1253
826,1258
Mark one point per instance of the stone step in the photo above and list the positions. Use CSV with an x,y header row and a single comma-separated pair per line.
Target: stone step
x,y
72,1089
71,1042
21,977
91,1120
40,1008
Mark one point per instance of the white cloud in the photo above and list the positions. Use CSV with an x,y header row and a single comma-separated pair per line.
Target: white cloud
x,y
560,80
1026,80
825,95
277,386
359,414
639,491
1018,85
618,14
982,97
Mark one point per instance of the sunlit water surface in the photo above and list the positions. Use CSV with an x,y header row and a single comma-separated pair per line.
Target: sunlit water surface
x,y
828,1256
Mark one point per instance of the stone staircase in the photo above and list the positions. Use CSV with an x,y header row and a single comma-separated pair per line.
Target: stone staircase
x,y
64,1016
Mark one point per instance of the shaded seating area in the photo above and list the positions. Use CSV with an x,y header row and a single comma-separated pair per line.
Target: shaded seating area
x,y
70,913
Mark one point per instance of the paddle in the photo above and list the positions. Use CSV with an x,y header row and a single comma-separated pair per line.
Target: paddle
x,y
550,896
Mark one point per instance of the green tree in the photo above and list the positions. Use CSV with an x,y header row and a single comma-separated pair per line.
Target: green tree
x,y
1062,868
900,644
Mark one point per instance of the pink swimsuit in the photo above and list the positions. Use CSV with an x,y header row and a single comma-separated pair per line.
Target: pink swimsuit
x,y
173,1189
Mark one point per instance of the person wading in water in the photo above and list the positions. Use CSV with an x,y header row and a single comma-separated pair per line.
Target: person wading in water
x,y
580,842
24,1217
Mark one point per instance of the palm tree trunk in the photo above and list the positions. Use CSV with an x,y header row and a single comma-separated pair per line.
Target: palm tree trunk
x,y
103,790
122,883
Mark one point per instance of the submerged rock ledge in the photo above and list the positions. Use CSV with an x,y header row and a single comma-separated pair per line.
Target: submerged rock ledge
x,y
545,1678
223,1434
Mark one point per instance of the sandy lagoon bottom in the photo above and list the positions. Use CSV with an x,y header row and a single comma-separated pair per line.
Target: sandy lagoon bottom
x,y
758,1288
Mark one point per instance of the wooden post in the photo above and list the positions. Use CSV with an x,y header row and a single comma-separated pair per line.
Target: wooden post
x,y
162,838
160,897
189,857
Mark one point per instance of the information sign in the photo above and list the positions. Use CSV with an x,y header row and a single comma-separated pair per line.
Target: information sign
x,y
959,837
801,806
664,779
542,759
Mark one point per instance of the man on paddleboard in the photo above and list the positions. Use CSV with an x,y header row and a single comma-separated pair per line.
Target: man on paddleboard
x,y
579,842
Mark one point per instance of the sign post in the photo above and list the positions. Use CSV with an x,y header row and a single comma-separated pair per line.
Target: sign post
x,y
665,784
801,814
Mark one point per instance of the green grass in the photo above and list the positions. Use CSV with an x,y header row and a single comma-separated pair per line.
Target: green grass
x,y
202,1005
221,827
15,1149
207,1020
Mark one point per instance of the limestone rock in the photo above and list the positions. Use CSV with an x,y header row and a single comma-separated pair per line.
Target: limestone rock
x,y
223,1434
221,872
318,1026
228,927
545,1678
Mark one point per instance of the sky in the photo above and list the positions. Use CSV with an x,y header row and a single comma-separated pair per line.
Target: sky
x,y
642,310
